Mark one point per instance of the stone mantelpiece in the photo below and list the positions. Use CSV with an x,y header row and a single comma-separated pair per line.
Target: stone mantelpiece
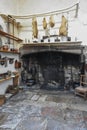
x,y
70,47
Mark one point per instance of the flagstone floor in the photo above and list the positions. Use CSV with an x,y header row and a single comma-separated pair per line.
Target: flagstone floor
x,y
44,110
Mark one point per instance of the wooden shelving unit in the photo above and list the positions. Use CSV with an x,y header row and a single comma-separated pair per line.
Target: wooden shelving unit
x,y
10,36
12,28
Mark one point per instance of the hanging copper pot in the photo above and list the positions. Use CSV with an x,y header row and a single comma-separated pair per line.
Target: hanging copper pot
x,y
17,64
5,47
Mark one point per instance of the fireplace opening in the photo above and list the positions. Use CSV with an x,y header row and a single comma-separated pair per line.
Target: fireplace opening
x,y
51,70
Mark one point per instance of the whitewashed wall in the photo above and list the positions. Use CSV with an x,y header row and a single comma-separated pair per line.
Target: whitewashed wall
x,y
8,6
26,7
78,28
32,7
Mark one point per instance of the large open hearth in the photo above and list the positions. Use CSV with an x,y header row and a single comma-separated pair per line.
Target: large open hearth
x,y
52,68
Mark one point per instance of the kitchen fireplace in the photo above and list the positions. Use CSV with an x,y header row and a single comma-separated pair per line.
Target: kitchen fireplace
x,y
52,68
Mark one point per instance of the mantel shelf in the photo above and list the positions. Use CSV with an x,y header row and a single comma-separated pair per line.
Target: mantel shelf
x,y
62,44
10,36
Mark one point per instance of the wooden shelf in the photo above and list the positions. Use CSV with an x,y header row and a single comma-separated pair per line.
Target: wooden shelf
x,y
2,60
10,36
13,52
2,80
5,79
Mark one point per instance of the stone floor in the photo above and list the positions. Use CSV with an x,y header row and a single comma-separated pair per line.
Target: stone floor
x,y
44,110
